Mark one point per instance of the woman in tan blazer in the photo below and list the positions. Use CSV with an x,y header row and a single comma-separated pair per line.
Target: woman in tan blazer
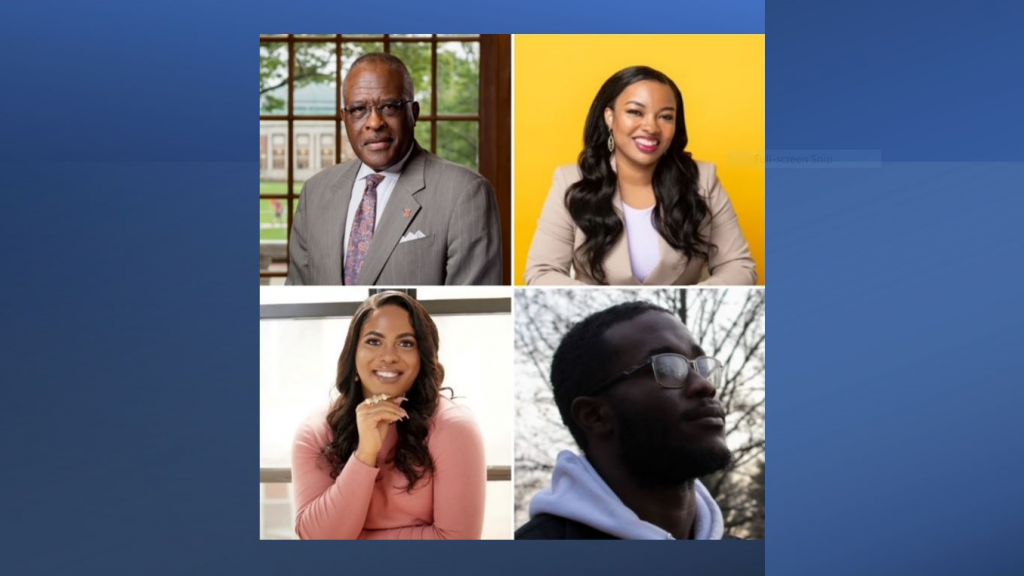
x,y
637,209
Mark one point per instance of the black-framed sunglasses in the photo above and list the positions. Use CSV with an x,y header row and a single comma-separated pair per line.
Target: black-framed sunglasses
x,y
387,109
671,371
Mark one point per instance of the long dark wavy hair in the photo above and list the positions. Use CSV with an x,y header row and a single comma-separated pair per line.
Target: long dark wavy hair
x,y
410,456
680,209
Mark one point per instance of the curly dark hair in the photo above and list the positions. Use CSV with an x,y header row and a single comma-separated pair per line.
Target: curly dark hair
x,y
581,360
680,210
411,455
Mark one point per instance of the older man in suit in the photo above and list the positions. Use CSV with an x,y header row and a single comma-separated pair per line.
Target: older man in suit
x,y
398,215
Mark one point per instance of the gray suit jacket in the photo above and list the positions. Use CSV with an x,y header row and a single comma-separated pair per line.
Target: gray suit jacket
x,y
552,259
454,207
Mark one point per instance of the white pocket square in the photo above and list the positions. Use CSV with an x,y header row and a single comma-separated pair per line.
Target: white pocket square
x,y
412,236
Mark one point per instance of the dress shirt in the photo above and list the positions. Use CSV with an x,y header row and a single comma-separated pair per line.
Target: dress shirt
x,y
390,174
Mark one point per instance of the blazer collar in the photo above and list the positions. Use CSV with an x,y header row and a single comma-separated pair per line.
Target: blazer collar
x,y
340,194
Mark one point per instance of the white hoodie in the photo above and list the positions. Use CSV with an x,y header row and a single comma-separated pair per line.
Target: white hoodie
x,y
578,492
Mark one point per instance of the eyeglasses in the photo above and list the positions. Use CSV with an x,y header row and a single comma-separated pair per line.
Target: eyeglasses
x,y
387,109
672,370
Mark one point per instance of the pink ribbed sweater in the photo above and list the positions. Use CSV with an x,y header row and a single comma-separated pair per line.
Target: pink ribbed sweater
x,y
371,503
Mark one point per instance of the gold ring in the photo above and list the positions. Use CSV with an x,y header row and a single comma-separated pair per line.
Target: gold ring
x,y
376,399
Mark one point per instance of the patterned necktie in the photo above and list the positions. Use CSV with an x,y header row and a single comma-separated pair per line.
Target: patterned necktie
x,y
362,230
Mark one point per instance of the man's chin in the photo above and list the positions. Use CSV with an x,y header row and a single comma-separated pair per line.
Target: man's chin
x,y
378,161
385,158
710,459
673,467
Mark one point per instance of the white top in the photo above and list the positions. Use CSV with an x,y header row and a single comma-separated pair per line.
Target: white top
x,y
644,251
384,190
579,493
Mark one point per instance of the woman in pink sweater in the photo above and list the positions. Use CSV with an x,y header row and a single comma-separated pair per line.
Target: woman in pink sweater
x,y
392,458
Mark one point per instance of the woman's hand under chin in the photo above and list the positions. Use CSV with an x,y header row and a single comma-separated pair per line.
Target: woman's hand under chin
x,y
373,418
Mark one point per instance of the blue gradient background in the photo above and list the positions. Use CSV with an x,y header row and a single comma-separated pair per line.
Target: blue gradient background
x,y
128,403
895,291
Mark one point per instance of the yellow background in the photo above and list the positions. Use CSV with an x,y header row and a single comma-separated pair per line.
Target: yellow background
x,y
722,81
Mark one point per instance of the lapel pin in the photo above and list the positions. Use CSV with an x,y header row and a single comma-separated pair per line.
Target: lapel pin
x,y
408,211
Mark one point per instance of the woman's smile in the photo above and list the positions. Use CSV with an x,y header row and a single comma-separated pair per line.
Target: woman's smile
x,y
388,376
647,145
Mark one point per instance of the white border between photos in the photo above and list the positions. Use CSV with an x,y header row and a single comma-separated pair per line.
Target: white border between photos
x,y
512,165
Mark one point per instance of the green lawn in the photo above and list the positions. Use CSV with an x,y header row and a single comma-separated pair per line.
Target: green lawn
x,y
272,227
268,187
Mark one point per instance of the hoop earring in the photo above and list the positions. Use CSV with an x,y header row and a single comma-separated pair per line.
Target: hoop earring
x,y
611,141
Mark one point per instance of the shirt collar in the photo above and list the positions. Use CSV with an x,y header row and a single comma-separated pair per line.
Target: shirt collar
x,y
393,171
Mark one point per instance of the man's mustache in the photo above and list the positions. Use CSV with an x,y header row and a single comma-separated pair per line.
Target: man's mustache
x,y
707,408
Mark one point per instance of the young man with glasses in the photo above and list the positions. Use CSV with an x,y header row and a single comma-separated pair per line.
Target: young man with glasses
x,y
398,215
637,393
